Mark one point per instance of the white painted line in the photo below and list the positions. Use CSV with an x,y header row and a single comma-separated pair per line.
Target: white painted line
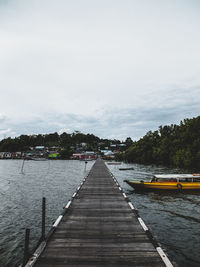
x,y
36,254
120,188
57,221
78,188
164,257
143,224
124,195
68,204
131,205
74,194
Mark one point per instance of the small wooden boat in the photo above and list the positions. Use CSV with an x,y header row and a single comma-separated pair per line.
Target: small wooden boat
x,y
114,163
40,159
168,182
126,169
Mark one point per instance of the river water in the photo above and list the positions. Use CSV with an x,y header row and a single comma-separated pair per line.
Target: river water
x,y
174,218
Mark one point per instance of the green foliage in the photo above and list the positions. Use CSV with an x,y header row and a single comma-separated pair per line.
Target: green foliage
x,y
176,145
65,153
119,156
128,142
65,141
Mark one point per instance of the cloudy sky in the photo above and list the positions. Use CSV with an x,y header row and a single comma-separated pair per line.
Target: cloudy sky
x,y
114,68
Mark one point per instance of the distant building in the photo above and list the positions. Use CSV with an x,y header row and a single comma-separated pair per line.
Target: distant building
x,y
1,155
113,145
5,155
76,155
106,151
88,155
53,155
122,145
83,144
39,147
16,155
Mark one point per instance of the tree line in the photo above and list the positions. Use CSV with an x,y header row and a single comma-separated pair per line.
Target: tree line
x,y
173,145
64,140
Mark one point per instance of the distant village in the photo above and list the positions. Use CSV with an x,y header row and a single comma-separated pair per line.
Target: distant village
x,y
78,152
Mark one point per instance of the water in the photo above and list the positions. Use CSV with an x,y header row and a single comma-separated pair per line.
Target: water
x,y
21,197
173,217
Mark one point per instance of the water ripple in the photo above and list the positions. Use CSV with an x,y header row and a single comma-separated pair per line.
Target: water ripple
x,y
172,216
21,196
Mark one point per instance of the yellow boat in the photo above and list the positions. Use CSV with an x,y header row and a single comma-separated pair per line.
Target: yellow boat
x,y
168,182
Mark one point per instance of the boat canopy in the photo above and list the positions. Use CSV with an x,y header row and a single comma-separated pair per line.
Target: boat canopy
x,y
176,176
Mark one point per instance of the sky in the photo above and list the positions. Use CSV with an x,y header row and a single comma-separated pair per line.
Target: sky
x,y
114,68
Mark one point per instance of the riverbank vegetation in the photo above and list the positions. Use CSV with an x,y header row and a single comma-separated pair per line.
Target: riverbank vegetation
x,y
174,145
66,144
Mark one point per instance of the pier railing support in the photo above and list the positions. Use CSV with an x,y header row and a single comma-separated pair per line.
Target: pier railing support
x,y
43,217
26,247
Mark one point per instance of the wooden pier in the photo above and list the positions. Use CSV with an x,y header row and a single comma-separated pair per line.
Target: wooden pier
x,y
99,227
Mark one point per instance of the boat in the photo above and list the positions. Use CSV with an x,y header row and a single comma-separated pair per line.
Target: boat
x,y
114,163
40,159
126,169
86,159
176,182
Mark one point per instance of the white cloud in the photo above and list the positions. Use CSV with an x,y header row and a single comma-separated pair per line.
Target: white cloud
x,y
2,117
90,59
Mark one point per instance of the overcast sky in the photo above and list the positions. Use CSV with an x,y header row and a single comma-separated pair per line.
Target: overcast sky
x,y
112,68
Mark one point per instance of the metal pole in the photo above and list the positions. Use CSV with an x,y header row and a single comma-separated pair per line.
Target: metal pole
x,y
43,217
26,247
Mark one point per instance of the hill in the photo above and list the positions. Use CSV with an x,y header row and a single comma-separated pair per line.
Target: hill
x,y
174,145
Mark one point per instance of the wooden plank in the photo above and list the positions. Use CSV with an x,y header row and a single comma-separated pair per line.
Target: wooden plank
x,y
99,229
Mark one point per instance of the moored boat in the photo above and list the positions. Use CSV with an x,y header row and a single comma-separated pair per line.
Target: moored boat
x,y
114,163
126,169
40,159
168,182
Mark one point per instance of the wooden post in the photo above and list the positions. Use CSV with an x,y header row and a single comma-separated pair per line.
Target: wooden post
x,y
43,217
26,247
22,169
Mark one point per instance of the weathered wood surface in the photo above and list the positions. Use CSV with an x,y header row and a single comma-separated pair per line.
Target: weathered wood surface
x,y
99,229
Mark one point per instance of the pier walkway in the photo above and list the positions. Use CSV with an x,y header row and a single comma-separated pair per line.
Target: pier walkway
x,y
99,227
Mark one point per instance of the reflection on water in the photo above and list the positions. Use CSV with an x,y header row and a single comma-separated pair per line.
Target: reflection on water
x,y
173,217
21,196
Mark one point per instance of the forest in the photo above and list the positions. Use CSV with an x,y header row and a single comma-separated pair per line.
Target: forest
x,y
66,141
173,145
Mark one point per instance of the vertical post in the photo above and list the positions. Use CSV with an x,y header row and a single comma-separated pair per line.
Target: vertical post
x,y
26,247
85,165
43,217
22,169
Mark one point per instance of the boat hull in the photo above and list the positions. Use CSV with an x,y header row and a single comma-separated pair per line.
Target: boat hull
x,y
175,186
126,169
